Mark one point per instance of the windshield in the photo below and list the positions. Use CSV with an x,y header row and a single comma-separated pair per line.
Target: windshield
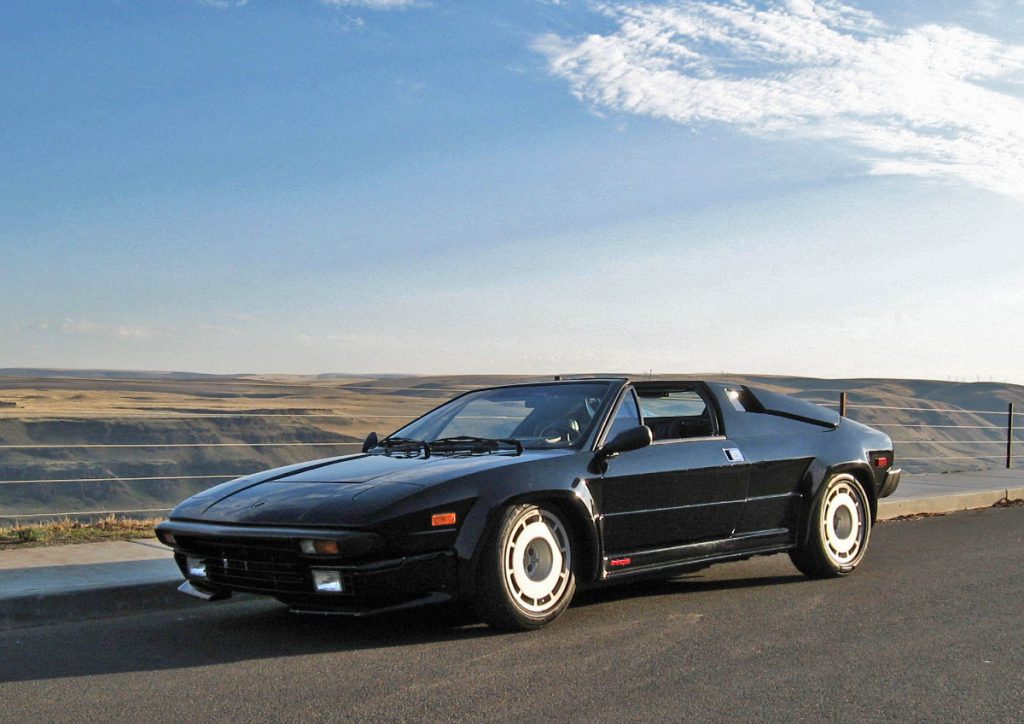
x,y
537,416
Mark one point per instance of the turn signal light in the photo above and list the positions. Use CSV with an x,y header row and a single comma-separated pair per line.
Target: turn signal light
x,y
441,519
315,547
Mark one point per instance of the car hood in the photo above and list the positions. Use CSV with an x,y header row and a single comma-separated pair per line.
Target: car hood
x,y
339,491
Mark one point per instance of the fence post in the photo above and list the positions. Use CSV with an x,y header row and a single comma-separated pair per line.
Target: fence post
x,y
1009,436
842,404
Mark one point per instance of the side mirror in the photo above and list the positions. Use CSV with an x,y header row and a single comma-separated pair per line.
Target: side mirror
x,y
632,439
370,442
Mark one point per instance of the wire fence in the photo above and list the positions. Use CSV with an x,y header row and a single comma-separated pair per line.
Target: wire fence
x,y
89,495
952,451
1001,423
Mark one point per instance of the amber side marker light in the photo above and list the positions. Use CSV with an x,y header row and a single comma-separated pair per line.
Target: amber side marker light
x,y
440,519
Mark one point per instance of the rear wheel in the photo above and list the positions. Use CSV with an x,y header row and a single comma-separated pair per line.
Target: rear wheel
x,y
840,530
526,577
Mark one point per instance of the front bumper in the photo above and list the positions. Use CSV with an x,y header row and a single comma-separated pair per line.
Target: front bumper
x,y
268,561
891,482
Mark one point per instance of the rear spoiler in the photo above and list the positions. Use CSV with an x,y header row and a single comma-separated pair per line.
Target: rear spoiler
x,y
772,403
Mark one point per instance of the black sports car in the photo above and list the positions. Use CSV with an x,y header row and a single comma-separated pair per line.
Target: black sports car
x,y
511,497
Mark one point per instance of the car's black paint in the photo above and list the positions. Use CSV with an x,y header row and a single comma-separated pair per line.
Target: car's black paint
x,y
648,500
668,506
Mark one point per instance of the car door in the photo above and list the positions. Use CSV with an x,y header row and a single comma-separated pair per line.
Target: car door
x,y
678,489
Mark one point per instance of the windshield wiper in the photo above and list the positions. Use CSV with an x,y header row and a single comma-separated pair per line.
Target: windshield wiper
x,y
492,444
393,442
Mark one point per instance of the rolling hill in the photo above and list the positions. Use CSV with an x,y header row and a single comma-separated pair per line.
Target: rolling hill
x,y
176,432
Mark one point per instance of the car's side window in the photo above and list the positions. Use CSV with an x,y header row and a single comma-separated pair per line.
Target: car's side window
x,y
676,414
626,417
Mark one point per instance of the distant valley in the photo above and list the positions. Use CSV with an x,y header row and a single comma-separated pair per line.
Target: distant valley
x,y
184,430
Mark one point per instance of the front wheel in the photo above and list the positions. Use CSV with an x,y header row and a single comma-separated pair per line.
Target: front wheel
x,y
526,577
840,530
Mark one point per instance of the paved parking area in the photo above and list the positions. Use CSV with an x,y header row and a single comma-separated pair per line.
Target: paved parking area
x,y
929,628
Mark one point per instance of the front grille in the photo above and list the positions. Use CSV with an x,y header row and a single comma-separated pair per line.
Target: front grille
x,y
256,575
260,566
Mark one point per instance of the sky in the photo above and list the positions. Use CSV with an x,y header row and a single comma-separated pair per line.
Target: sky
x,y
444,187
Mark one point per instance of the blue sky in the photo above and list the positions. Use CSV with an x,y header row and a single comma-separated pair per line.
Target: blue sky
x,y
448,187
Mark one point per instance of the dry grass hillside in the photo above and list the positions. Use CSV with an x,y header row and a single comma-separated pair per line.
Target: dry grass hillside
x,y
167,426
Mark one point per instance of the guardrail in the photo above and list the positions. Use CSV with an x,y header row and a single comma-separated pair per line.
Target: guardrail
x,y
1006,428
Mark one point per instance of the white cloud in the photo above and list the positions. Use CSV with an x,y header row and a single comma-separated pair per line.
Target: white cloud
x,y
928,101
374,4
224,4
88,328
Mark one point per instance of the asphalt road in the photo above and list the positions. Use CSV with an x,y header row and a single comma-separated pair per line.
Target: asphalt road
x,y
930,628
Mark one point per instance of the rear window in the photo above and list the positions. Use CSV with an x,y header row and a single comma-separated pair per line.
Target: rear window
x,y
685,403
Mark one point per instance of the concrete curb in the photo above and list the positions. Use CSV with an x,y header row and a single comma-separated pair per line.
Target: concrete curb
x,y
42,609
952,503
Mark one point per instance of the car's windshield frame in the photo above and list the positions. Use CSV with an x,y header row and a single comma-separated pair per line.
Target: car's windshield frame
x,y
438,419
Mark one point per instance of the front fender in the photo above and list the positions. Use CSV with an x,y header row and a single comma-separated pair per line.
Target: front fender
x,y
576,504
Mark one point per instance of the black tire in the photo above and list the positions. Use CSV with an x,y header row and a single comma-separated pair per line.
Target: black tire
x,y
526,578
840,528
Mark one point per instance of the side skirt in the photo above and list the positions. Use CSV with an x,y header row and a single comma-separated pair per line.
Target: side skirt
x,y
696,555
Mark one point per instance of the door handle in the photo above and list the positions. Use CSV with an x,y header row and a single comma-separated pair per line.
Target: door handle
x,y
733,454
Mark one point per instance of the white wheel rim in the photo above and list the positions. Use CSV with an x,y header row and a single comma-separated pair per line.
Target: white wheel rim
x,y
843,523
537,561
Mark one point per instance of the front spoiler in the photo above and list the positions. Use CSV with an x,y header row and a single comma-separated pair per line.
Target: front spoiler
x,y
216,595
429,599
221,594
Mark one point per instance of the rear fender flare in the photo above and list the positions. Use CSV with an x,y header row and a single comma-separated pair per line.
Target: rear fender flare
x,y
858,469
